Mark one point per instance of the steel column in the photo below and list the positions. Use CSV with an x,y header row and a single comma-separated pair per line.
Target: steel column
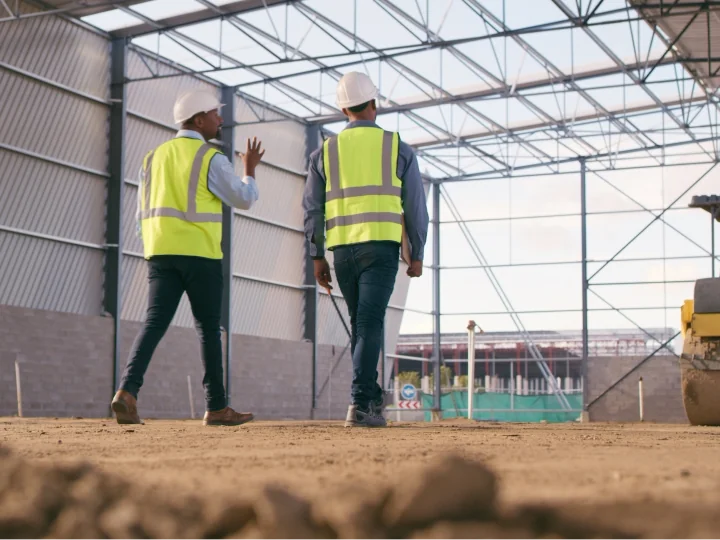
x,y
312,142
585,284
228,139
436,298
115,193
712,241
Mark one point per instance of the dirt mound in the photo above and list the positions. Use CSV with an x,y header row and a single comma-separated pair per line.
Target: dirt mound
x,y
450,498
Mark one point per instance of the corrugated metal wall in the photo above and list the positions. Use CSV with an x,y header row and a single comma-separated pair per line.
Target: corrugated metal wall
x,y
53,162
268,239
268,248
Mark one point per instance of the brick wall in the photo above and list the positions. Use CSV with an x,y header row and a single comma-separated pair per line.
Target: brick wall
x,y
66,370
661,389
64,362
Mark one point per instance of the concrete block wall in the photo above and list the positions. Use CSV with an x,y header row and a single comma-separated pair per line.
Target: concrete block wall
x,y
66,370
64,365
661,389
334,364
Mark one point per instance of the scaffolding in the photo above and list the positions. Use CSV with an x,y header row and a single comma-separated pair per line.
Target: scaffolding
x,y
585,91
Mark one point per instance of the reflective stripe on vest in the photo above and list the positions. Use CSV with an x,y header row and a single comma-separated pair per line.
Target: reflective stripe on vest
x,y
192,215
362,189
387,188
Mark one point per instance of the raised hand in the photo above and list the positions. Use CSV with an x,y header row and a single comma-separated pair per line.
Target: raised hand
x,y
252,156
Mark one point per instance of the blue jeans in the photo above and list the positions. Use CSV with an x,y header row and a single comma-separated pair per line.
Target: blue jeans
x,y
366,276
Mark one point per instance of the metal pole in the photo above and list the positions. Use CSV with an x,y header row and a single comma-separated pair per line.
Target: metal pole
x,y
115,196
18,388
312,141
228,136
471,368
712,241
641,399
436,299
585,285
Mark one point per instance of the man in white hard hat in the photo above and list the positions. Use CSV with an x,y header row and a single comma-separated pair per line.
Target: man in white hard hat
x,y
183,184
360,186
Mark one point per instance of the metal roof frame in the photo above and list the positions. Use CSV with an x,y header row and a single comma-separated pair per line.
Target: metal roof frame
x,y
514,142
672,23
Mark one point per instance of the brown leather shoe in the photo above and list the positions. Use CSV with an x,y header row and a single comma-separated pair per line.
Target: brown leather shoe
x,y
226,417
124,405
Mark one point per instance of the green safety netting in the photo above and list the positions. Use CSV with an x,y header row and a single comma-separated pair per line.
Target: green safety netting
x,y
504,407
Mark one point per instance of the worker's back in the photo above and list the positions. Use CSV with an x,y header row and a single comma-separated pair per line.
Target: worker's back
x,y
363,192
180,216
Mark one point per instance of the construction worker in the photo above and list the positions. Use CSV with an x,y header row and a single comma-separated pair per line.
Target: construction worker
x,y
360,186
183,183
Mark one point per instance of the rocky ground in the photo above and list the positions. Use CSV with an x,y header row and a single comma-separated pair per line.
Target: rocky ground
x,y
93,478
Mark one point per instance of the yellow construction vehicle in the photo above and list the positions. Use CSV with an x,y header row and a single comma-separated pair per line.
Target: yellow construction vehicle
x,y
700,359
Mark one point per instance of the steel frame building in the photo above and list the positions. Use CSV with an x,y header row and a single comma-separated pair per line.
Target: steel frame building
x,y
664,115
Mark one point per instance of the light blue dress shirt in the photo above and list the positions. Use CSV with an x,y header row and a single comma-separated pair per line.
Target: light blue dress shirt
x,y
222,181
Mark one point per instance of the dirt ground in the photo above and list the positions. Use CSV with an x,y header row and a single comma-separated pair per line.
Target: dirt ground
x,y
612,479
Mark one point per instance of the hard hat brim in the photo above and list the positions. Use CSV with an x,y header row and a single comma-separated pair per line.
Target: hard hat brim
x,y
218,107
355,103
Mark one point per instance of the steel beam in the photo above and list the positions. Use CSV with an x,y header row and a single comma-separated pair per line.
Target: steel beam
x,y
228,139
532,127
194,17
115,195
475,176
437,350
477,95
583,249
608,51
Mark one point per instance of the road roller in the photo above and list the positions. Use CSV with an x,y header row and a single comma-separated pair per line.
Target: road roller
x,y
700,359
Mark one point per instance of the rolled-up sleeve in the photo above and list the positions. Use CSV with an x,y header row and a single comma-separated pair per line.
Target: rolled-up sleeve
x,y
234,191
414,202
314,206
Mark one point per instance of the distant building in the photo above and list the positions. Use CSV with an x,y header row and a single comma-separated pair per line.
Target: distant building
x,y
500,353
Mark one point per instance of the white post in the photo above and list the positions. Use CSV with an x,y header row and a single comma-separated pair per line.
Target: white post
x,y
487,383
471,367
518,384
425,384
18,388
642,404
190,397
396,391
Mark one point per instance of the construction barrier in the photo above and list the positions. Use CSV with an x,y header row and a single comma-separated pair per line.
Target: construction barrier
x,y
505,407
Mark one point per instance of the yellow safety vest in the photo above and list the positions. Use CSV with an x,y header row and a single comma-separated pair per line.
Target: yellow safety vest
x,y
179,214
362,190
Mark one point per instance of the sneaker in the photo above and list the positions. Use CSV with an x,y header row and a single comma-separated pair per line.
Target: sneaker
x,y
364,417
380,404
226,417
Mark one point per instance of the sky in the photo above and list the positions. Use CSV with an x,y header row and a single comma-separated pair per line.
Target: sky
x,y
505,213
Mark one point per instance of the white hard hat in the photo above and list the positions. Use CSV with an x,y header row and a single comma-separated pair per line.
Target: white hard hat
x,y
194,102
353,89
